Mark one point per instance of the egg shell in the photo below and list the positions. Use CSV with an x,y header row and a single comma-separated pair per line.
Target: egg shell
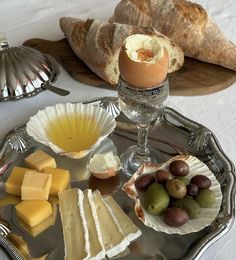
x,y
107,174
104,166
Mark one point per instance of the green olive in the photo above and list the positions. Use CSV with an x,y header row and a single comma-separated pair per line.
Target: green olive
x,y
185,180
156,199
176,188
205,198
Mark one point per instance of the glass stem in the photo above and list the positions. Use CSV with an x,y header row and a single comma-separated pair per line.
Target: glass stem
x,y
142,149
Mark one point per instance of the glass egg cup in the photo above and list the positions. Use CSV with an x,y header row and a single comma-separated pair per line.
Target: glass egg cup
x,y
142,106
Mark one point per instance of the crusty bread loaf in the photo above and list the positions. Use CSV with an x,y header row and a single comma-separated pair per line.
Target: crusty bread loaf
x,y
186,23
98,44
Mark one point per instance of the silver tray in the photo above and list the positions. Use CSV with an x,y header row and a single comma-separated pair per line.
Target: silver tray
x,y
172,134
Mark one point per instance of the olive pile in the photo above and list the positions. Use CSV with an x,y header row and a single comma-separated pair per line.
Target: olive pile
x,y
172,194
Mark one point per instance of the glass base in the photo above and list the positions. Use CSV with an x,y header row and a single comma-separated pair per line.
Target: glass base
x,y
131,161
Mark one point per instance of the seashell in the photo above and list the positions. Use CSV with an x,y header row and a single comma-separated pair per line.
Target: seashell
x,y
71,129
105,165
111,105
18,140
23,71
207,215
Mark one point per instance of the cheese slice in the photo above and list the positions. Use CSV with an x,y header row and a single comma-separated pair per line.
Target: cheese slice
x,y
95,240
129,229
74,225
113,240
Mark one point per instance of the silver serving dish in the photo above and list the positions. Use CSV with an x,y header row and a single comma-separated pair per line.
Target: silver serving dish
x,y
172,135
24,72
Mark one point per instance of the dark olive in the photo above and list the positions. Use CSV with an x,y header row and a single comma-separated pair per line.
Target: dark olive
x,y
179,168
162,176
192,189
144,181
175,217
203,182
177,203
176,188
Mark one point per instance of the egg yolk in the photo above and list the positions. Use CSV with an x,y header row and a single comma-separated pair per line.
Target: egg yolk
x,y
145,55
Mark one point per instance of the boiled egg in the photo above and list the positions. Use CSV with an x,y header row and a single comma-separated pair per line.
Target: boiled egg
x,y
143,61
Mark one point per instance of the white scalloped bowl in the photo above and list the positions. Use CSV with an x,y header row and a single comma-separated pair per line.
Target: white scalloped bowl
x,y
207,215
71,129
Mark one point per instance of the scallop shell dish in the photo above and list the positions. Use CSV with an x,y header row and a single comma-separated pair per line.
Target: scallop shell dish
x,y
71,129
205,214
23,71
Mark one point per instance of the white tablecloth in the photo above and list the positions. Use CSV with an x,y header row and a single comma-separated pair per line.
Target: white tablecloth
x,y
22,20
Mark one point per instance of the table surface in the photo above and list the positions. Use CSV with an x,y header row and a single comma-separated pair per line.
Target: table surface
x,y
22,20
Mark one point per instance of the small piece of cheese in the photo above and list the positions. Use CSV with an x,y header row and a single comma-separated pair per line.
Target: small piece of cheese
x,y
95,240
36,186
36,230
129,229
74,225
33,212
14,181
9,200
113,240
40,160
60,179
53,199
20,244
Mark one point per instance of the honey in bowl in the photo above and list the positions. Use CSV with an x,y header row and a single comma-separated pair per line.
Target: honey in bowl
x,y
74,132
71,129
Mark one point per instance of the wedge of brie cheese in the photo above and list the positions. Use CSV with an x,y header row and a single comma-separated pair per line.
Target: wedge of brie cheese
x,y
74,225
129,229
95,239
113,239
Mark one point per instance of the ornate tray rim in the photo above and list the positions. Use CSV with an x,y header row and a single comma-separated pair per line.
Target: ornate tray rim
x,y
223,225
198,133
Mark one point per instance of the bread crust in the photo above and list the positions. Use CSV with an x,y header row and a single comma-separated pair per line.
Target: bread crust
x,y
186,23
98,44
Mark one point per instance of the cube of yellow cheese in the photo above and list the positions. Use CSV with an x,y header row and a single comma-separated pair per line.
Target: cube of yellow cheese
x,y
9,200
36,186
60,179
33,212
20,242
42,226
14,181
40,160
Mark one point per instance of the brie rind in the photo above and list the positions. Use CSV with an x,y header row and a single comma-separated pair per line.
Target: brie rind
x,y
129,229
75,231
95,239
114,241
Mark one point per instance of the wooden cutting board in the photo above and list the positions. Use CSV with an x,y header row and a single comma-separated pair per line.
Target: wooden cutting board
x,y
194,78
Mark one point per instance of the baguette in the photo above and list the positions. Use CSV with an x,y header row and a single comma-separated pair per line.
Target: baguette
x,y
98,45
186,23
